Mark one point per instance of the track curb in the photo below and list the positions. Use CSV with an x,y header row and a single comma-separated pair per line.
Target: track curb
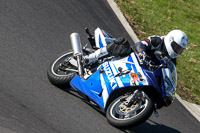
x,y
192,108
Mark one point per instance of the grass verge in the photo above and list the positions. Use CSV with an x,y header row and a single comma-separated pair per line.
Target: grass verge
x,y
158,17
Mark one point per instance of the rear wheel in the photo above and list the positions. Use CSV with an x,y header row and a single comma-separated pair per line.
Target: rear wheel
x,y
61,71
120,114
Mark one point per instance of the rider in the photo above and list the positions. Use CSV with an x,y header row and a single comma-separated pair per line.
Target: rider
x,y
170,45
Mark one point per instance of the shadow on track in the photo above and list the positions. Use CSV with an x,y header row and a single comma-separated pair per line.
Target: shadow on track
x,y
82,97
148,126
151,127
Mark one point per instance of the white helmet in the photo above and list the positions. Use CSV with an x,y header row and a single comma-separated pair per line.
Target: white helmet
x,y
175,42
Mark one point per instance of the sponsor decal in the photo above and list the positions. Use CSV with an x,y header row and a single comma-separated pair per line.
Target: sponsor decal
x,y
110,75
135,77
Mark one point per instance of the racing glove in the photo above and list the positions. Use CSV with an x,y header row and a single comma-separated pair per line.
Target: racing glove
x,y
142,55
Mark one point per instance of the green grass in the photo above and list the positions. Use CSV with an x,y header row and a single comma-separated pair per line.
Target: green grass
x,y
158,17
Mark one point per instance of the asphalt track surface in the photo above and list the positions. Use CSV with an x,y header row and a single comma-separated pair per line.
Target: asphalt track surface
x,y
32,34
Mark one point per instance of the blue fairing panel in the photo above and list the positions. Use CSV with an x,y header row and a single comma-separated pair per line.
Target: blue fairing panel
x,y
105,80
151,76
90,87
99,85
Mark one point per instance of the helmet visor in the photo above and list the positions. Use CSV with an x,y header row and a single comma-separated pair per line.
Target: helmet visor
x,y
177,48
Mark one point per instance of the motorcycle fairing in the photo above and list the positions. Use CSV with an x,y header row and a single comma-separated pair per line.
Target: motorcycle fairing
x,y
151,76
105,80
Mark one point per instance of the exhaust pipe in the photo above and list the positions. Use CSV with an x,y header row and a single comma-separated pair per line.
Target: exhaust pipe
x,y
76,44
77,50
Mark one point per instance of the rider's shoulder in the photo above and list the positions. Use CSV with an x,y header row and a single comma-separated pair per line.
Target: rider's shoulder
x,y
156,36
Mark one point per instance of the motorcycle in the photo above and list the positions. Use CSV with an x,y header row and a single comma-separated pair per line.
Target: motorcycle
x,y
128,90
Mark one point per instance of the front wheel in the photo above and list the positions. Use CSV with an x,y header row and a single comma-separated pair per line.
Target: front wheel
x,y
61,71
121,114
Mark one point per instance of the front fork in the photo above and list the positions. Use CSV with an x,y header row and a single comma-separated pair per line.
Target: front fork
x,y
137,96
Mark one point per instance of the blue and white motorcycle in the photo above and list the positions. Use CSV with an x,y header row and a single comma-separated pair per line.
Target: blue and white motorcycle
x,y
128,90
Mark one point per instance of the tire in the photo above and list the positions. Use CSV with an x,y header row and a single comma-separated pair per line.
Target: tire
x,y
59,77
133,116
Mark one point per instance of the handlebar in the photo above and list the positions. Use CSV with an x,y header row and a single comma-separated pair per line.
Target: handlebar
x,y
147,60
150,65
